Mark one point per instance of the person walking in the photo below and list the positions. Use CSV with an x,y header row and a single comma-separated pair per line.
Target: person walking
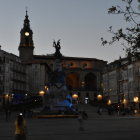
x,y
20,128
84,115
81,122
99,111
7,113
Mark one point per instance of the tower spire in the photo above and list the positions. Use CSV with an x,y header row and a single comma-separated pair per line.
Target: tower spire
x,y
26,45
26,10
26,20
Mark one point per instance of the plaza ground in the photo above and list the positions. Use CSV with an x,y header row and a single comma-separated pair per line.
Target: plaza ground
x,y
97,127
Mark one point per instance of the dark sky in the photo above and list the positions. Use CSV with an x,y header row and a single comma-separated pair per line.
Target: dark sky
x,y
78,23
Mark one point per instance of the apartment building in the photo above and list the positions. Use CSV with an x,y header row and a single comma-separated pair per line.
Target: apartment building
x,y
121,80
12,76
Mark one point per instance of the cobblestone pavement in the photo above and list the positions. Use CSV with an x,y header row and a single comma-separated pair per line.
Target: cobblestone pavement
x,y
97,127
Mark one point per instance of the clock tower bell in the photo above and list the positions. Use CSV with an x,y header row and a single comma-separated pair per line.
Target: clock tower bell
x,y
26,46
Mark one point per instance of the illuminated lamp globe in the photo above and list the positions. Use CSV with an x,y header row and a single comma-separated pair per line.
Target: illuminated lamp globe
x,y
99,97
136,99
6,96
41,93
109,102
124,101
74,96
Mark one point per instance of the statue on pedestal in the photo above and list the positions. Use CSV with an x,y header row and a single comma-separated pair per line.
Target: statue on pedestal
x,y
59,99
57,47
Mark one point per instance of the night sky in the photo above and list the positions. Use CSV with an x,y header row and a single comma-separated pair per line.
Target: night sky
x,y
78,23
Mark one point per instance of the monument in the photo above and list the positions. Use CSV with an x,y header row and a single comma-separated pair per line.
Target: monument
x,y
58,97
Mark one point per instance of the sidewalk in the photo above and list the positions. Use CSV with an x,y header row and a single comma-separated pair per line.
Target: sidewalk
x,y
90,110
92,113
103,127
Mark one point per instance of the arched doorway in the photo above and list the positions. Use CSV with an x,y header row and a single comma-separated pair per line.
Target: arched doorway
x,y
72,81
91,82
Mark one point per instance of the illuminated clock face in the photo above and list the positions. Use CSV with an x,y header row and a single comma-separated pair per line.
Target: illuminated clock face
x,y
26,33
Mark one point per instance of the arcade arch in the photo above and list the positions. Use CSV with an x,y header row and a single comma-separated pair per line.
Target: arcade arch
x,y
91,82
73,81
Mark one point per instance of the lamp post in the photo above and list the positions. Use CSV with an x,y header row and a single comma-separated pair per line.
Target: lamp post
x,y
44,94
109,102
75,97
99,97
136,101
7,99
41,93
125,103
46,88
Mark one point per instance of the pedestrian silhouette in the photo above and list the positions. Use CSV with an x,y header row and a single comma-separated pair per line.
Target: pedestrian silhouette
x,y
7,113
20,128
99,111
84,115
81,122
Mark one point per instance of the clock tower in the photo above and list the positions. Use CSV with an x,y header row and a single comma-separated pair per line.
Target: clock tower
x,y
26,46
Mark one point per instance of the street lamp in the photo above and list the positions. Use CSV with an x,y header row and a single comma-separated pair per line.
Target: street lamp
x,y
41,93
46,87
99,97
74,96
6,96
6,99
109,102
136,99
124,101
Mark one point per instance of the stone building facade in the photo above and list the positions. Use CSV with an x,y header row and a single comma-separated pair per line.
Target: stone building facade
x,y
12,76
121,80
84,81
83,75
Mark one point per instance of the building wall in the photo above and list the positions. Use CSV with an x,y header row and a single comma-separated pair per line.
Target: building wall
x,y
36,78
83,77
122,78
12,75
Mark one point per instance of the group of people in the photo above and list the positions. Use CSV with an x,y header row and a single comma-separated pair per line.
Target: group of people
x,y
116,109
21,126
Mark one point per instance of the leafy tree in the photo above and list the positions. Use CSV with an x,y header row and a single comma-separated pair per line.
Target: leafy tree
x,y
131,34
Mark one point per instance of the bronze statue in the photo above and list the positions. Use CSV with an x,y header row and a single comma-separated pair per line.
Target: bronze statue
x,y
57,48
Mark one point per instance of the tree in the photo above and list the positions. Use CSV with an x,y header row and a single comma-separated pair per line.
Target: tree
x,y
131,34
